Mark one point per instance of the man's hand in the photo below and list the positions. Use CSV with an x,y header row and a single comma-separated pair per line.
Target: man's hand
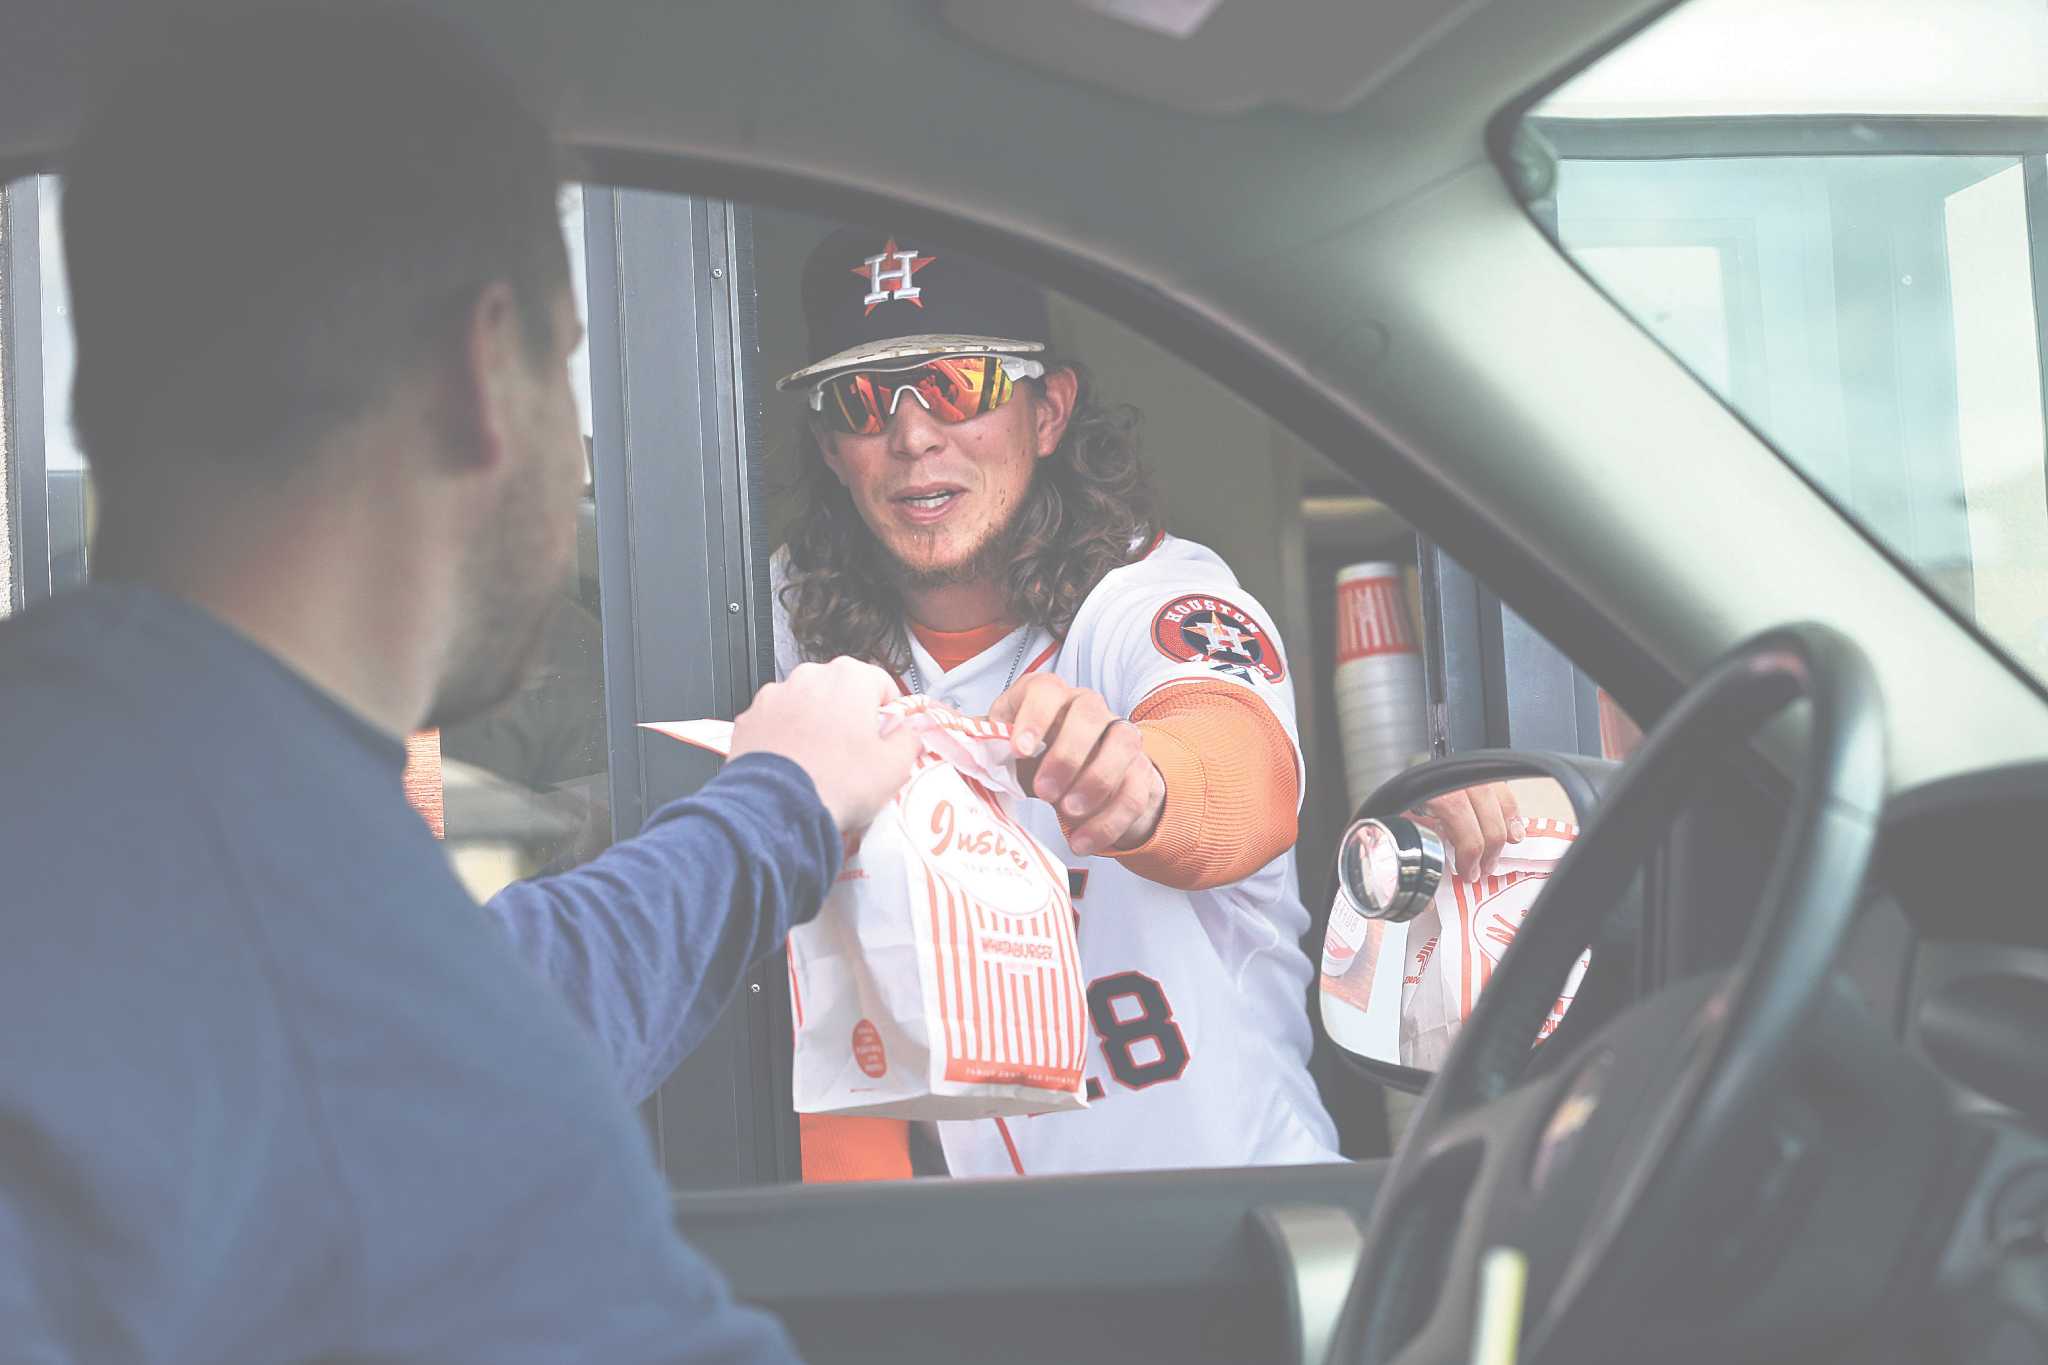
x,y
823,719
1477,823
1087,761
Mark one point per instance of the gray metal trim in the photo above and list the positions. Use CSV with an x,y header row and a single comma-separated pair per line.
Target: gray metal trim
x,y
605,327
738,423
668,545
10,538
772,1027
1586,696
2034,177
66,496
1543,695
675,552
1316,1248
28,491
768,1145
1452,663
1648,139
1492,681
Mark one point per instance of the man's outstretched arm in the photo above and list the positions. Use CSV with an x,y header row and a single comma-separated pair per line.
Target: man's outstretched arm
x,y
650,940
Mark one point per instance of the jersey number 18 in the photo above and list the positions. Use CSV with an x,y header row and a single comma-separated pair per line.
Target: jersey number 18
x,y
1140,1041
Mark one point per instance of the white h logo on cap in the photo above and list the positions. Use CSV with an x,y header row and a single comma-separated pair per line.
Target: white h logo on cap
x,y
879,277
903,276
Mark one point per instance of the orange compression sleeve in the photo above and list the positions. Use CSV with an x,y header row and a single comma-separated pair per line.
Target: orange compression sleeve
x,y
1231,786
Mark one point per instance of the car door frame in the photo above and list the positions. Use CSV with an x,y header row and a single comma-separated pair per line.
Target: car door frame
x,y
682,581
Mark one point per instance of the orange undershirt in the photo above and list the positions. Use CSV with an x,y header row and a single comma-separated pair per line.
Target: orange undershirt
x,y
951,648
1230,809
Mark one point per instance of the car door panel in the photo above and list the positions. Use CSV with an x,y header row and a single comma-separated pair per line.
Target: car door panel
x,y
1162,1265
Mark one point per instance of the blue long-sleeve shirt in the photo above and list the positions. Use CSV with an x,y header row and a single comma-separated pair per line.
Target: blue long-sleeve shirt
x,y
271,1087
649,941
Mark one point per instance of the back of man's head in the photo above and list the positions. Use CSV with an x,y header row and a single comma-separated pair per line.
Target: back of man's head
x,y
278,214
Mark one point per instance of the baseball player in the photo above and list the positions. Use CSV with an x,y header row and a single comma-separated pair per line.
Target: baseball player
x,y
981,526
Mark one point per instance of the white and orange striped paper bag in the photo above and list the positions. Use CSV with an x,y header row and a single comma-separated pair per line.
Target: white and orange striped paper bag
x,y
942,978
1454,945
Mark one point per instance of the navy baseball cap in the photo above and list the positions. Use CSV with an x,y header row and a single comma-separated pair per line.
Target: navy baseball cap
x,y
878,299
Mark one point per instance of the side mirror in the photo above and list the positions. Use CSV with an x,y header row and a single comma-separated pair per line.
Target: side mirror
x,y
1423,902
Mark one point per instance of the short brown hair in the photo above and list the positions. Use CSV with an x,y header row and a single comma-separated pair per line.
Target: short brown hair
x,y
277,212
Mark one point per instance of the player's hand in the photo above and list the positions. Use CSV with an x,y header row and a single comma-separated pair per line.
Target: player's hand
x,y
1090,763
823,719
1477,823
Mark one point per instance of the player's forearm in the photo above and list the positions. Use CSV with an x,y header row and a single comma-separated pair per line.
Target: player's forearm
x,y
650,940
1231,787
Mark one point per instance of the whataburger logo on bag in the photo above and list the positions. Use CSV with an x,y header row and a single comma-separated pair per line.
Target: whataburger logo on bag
x,y
970,846
942,978
1011,1001
1010,993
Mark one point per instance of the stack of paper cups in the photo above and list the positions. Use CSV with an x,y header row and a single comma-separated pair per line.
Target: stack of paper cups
x,y
1379,677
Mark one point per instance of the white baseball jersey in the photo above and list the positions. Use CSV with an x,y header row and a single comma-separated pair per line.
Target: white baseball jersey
x,y
1197,999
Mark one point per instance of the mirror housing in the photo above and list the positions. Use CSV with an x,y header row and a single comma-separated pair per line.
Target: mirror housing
x,y
1389,867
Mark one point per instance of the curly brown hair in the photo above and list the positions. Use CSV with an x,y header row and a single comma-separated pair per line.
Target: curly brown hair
x,y
1090,509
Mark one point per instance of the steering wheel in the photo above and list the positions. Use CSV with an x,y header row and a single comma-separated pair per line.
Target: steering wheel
x,y
1601,1171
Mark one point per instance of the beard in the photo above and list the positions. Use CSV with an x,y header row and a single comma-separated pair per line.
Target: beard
x,y
986,562
510,588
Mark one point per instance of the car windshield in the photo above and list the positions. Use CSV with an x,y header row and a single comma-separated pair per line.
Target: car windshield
x,y
1835,213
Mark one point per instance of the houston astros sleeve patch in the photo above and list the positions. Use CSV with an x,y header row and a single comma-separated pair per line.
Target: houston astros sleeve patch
x,y
1200,629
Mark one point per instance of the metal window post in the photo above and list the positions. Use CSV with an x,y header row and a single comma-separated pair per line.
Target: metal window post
x,y
27,494
2034,178
1490,679
683,599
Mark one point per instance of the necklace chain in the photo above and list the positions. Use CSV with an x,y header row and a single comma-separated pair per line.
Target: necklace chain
x,y
917,675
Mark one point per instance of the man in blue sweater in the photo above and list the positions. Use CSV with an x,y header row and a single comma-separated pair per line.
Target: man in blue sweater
x,y
271,1087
